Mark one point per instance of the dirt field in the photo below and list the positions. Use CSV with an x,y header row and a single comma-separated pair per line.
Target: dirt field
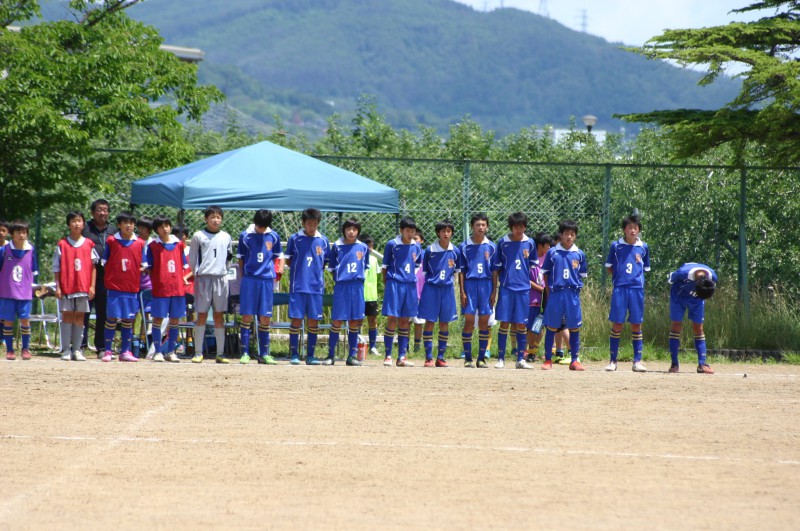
x,y
100,446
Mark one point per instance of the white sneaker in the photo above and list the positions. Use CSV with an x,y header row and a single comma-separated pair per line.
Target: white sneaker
x,y
78,356
158,357
66,356
152,351
149,355
374,351
500,364
387,361
172,357
522,364
611,367
638,366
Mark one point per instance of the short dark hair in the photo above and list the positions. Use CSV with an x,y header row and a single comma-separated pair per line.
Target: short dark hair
x,y
145,222
633,219
18,225
418,232
367,239
262,218
478,216
185,231
72,214
160,220
542,238
6,224
125,216
704,287
444,224
567,224
352,222
213,209
407,222
518,218
99,202
312,214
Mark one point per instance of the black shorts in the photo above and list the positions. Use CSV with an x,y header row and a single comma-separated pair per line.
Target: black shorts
x,y
371,308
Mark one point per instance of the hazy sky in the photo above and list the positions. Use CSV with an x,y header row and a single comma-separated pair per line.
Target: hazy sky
x,y
629,21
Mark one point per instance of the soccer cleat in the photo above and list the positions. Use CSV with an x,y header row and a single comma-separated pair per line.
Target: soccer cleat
x,y
500,364
576,366
328,361
441,363
26,354
673,368
159,357
352,361
522,364
547,365
428,362
611,367
10,356
197,358
311,360
127,357
701,369
266,360
387,361
558,357
403,362
566,360
530,358
66,356
295,359
468,364
638,366
222,359
482,364
245,359
107,356
78,356
173,358
374,351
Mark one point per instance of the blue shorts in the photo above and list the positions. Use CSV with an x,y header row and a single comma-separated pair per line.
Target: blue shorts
x,y
122,305
305,305
678,306
147,299
512,306
255,296
400,299
162,307
479,293
533,313
11,309
348,301
438,303
563,306
627,302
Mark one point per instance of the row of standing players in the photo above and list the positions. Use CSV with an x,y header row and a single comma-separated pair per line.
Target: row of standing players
x,y
531,274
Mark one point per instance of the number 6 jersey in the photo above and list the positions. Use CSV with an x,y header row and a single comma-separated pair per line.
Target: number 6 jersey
x,y
168,265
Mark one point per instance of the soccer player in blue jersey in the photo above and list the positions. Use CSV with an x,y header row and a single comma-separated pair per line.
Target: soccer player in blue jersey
x,y
306,255
564,269
401,258
516,254
692,284
478,287
628,259
440,262
349,261
259,245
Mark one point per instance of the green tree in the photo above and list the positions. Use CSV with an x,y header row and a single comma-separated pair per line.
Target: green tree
x,y
68,88
763,119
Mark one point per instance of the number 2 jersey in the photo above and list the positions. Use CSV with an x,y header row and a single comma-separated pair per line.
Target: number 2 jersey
x,y
168,265
514,260
348,261
565,268
123,261
628,262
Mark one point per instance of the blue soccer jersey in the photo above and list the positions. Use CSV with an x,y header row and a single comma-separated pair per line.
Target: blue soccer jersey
x,y
514,260
308,256
628,263
348,261
476,259
440,265
683,280
257,252
564,268
401,260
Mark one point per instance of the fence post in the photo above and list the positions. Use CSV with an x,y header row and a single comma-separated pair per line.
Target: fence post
x,y
744,291
465,185
606,220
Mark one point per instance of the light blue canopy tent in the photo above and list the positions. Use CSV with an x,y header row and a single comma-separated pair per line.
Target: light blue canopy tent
x,y
264,175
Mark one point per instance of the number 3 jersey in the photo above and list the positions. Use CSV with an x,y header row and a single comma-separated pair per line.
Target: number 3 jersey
x,y
123,261
167,262
628,262
565,268
348,261
257,251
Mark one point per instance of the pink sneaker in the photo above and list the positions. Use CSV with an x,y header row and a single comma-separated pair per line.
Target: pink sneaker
x,y
108,356
10,356
26,354
127,356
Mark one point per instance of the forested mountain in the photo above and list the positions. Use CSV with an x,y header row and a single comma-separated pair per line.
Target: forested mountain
x,y
424,61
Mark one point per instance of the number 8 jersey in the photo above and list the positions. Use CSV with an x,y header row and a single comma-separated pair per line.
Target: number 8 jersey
x,y
565,268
